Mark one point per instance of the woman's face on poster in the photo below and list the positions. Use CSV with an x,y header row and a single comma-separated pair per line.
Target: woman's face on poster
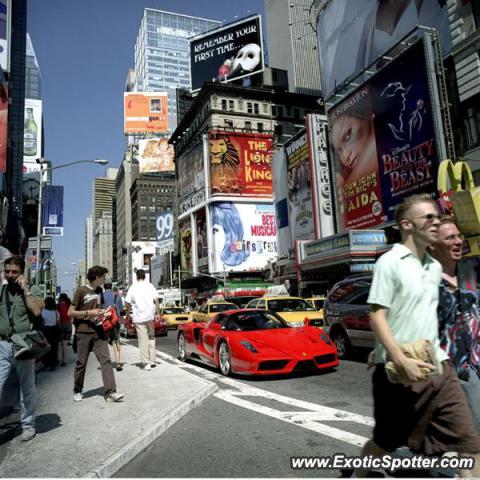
x,y
218,242
351,137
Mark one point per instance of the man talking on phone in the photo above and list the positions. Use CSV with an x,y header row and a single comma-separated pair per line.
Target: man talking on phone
x,y
18,306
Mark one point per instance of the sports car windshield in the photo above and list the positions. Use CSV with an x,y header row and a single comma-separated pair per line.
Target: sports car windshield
x,y
222,307
289,305
172,311
259,320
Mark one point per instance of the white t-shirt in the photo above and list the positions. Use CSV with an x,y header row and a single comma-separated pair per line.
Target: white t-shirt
x,y
141,296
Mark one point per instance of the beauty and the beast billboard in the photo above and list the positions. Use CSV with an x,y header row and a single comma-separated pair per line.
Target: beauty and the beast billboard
x,y
383,138
240,163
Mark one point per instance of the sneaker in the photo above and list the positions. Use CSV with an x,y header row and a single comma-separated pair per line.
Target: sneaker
x,y
153,365
114,397
147,367
27,434
78,397
118,368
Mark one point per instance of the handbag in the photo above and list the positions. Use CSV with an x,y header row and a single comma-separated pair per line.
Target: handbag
x,y
26,345
108,320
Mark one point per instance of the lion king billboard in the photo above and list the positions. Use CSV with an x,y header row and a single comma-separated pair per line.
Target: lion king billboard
x,y
240,163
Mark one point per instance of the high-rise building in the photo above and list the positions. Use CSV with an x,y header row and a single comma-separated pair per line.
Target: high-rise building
x,y
292,44
103,193
103,241
89,239
33,81
162,55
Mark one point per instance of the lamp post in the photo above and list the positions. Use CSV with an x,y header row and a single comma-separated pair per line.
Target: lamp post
x,y
41,162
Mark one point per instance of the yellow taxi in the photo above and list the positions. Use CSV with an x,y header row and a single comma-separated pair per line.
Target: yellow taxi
x,y
174,316
293,310
205,312
317,303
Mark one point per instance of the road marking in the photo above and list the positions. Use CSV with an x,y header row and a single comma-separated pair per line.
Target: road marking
x,y
309,419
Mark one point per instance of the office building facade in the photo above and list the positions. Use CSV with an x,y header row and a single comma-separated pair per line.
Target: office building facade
x,y
162,54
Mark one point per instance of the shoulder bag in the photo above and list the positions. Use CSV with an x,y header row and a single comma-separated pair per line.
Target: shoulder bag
x,y
26,345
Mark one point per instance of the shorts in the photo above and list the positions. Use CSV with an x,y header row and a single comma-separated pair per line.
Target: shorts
x,y
430,417
66,331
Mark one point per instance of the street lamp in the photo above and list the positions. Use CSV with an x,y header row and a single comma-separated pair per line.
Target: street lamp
x,y
41,162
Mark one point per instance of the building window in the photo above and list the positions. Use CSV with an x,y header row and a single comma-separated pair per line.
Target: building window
x,y
274,110
228,123
260,127
472,124
248,125
224,104
249,107
256,108
231,105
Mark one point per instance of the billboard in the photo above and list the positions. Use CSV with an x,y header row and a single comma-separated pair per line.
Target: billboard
x,y
317,134
240,163
185,230
227,53
244,236
52,221
5,13
32,135
3,127
299,181
384,143
366,29
201,239
164,226
155,155
145,112
190,178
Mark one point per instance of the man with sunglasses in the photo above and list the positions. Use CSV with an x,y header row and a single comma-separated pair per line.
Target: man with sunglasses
x,y
459,311
428,412
18,306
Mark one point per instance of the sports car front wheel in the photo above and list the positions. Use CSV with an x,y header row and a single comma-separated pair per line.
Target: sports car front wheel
x,y
224,359
181,349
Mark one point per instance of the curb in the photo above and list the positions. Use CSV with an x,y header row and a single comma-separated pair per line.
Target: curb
x,y
122,457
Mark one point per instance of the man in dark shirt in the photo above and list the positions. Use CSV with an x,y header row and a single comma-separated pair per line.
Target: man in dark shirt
x,y
85,309
18,306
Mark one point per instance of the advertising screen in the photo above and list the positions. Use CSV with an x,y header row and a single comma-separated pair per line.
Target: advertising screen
x,y
384,142
227,53
366,29
190,178
299,182
240,164
145,112
32,135
201,238
5,6
244,236
185,230
53,209
155,155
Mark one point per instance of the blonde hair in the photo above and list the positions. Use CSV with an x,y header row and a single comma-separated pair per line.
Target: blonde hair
x,y
408,203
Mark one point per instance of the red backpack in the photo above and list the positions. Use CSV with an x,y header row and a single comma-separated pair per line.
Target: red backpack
x,y
109,319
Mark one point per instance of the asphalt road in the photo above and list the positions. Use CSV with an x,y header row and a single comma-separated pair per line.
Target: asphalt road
x,y
252,427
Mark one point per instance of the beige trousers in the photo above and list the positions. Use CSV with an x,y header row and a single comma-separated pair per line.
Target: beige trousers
x,y
146,341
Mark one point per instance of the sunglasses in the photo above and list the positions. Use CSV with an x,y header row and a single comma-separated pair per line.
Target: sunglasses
x,y
430,217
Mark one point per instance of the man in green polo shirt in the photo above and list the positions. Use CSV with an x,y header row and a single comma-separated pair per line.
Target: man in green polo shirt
x,y
18,305
428,413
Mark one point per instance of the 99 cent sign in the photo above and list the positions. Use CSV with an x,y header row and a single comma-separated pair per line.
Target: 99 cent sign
x,y
164,227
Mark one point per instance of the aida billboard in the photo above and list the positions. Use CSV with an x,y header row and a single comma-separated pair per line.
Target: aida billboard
x,y
145,112
366,29
155,155
227,53
384,142
240,164
244,236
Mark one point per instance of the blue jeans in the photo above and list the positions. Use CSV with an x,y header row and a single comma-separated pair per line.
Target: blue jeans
x,y
472,392
25,370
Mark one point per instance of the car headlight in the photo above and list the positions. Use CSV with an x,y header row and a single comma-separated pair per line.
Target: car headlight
x,y
248,346
325,338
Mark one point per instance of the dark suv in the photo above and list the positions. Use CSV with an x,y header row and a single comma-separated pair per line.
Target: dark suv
x,y
346,314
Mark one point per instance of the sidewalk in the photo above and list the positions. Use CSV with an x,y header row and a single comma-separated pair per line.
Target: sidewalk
x,y
93,438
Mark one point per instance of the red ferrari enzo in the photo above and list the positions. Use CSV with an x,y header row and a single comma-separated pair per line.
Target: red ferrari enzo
x,y
255,342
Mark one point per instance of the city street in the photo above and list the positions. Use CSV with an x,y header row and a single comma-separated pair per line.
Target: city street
x,y
252,426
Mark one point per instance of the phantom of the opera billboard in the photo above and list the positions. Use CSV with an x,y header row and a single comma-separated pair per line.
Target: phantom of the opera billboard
x,y
227,53
155,155
244,236
240,163
365,30
145,112
384,143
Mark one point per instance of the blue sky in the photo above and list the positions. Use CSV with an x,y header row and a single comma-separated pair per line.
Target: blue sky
x,y
84,49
